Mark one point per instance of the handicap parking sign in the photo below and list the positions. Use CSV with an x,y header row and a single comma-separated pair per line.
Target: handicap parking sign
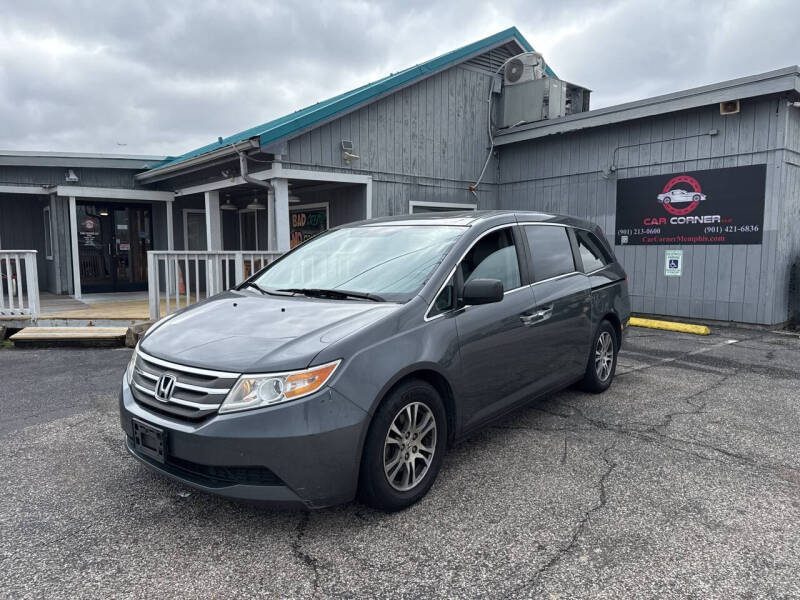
x,y
673,263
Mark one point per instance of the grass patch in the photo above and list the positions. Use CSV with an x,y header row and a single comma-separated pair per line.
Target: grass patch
x,y
6,344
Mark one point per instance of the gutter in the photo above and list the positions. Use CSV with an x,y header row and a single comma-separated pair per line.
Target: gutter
x,y
163,172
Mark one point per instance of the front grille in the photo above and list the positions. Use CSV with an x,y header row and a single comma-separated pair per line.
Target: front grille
x,y
209,475
230,475
196,394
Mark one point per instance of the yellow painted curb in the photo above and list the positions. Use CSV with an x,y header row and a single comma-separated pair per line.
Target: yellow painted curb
x,y
670,326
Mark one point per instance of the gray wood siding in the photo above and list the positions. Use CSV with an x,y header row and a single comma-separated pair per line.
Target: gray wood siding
x,y
746,283
425,142
788,250
345,204
111,178
22,228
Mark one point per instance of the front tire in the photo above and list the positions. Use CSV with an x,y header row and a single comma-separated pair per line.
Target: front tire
x,y
405,446
602,364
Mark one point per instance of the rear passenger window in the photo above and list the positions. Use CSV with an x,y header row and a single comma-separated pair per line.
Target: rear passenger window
x,y
493,257
591,250
551,251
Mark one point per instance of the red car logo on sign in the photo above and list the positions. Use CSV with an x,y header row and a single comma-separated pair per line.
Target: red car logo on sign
x,y
671,195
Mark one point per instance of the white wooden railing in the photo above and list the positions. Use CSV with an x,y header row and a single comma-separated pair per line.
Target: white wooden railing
x,y
176,279
19,284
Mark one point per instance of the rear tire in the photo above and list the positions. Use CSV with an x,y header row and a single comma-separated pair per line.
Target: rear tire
x,y
405,446
602,363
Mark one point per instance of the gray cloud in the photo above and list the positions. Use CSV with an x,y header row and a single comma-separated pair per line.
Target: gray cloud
x,y
156,77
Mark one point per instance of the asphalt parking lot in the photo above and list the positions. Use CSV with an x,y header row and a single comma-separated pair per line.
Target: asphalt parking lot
x,y
683,481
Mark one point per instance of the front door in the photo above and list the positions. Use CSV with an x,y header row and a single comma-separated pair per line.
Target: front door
x,y
495,344
113,240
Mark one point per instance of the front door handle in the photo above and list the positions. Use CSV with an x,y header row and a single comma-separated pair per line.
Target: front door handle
x,y
537,317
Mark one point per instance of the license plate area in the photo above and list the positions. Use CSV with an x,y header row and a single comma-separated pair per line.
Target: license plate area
x,y
149,440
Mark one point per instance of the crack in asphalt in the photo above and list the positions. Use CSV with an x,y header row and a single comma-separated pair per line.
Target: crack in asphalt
x,y
303,556
580,527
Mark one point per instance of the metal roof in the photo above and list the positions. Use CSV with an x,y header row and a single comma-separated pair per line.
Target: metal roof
x,y
26,158
771,82
285,126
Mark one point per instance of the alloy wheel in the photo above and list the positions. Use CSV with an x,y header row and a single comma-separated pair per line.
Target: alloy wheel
x,y
409,446
603,356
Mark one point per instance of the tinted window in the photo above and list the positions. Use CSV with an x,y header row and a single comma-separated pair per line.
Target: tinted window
x,y
550,250
591,250
446,300
493,257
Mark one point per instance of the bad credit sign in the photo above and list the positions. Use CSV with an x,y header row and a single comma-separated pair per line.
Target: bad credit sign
x,y
716,206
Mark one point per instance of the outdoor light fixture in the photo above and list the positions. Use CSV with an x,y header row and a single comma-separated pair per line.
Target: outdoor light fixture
x,y
293,199
256,204
70,176
228,205
103,212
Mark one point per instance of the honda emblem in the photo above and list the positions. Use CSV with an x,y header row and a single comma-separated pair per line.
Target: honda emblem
x,y
164,387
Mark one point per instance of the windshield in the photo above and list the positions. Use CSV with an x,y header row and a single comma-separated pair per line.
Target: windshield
x,y
391,262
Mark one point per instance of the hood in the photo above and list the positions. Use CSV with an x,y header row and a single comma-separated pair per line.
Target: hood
x,y
247,332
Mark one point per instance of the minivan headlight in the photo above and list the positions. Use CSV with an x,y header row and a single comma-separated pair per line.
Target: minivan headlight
x,y
257,391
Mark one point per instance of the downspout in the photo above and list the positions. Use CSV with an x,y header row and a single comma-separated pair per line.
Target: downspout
x,y
271,229
243,169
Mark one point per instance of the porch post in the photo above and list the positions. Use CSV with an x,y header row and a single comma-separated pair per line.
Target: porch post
x,y
213,225
281,190
271,245
76,267
170,230
55,243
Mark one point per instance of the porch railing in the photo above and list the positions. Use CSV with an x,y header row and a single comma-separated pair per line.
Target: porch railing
x,y
176,279
19,284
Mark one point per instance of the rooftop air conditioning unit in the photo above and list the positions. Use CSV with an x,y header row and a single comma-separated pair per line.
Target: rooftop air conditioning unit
x,y
524,67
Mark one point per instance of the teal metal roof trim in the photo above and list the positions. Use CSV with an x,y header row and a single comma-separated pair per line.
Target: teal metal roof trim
x,y
306,117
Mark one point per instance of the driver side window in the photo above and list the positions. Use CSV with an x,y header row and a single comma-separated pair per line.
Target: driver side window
x,y
493,257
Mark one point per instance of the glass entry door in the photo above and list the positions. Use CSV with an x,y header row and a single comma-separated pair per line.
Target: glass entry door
x,y
113,241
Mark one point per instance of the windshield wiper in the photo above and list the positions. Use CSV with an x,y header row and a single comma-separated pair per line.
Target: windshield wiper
x,y
338,294
264,291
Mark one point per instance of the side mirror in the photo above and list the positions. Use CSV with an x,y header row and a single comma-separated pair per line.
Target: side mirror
x,y
483,291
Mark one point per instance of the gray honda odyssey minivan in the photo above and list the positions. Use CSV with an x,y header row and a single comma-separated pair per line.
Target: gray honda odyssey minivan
x,y
350,365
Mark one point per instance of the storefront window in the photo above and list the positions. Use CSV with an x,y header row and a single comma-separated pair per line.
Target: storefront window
x,y
194,226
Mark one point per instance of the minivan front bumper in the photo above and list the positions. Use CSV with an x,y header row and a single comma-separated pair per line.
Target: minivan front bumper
x,y
303,452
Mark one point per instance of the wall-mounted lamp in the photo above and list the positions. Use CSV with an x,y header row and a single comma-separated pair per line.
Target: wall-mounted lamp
x,y
347,151
70,176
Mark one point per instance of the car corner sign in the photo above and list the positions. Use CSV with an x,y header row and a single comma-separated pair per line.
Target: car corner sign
x,y
717,206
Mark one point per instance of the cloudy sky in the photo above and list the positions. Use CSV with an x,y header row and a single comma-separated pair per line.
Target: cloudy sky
x,y
164,77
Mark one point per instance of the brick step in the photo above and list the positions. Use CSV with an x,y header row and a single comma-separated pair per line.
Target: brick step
x,y
44,337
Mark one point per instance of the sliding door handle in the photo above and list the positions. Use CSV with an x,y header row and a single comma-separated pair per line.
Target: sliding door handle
x,y
538,316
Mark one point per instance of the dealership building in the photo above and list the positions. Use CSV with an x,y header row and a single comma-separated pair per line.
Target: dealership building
x,y
698,190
